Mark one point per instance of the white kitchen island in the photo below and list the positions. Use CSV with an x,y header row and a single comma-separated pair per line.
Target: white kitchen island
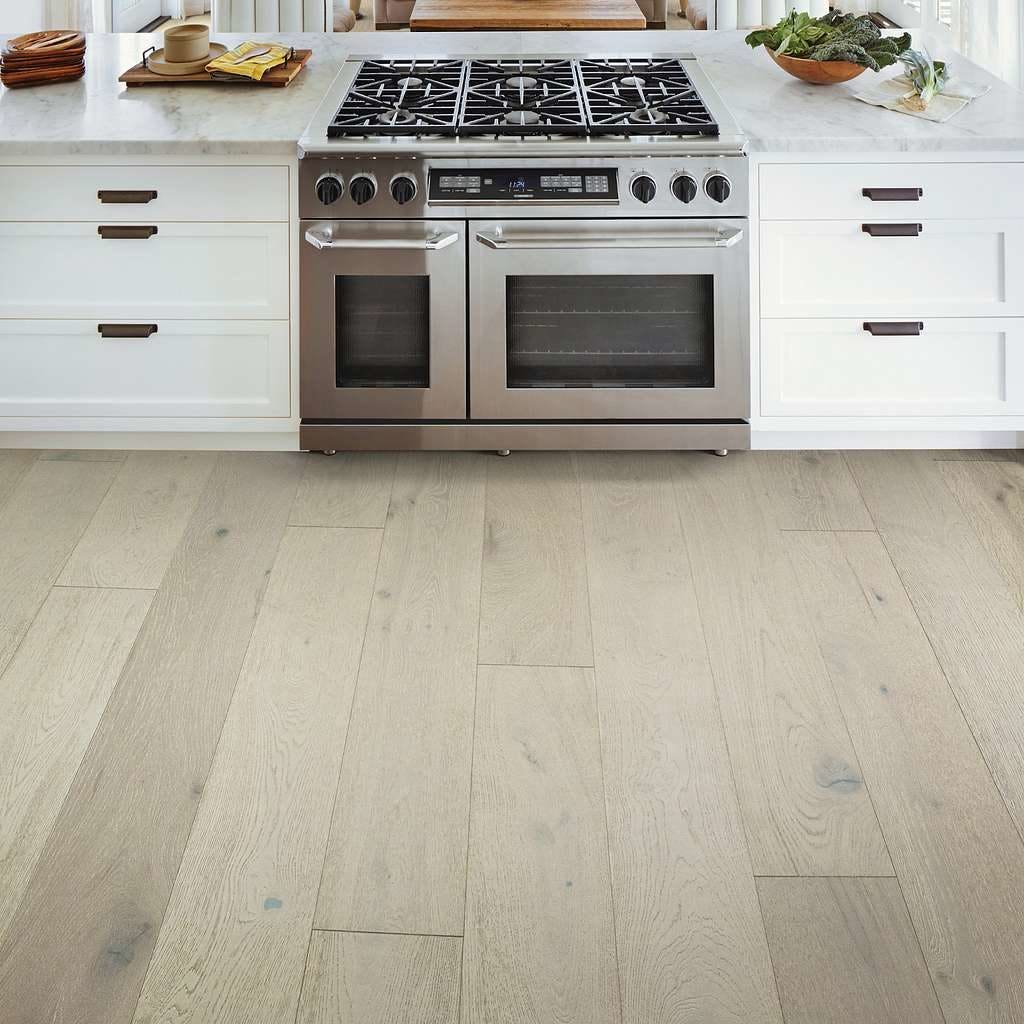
x,y
213,170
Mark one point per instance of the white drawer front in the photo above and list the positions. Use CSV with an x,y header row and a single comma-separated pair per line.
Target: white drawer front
x,y
834,268
836,368
182,193
191,271
835,191
186,368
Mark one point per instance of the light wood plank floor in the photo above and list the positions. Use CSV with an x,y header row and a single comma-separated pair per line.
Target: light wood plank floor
x,y
446,739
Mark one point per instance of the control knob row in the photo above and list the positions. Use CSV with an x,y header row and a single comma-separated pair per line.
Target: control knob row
x,y
717,187
362,188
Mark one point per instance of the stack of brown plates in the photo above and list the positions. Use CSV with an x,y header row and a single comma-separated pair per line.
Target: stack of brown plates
x,y
40,57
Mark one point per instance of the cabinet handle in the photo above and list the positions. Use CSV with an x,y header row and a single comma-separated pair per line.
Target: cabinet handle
x,y
902,329
126,230
126,330
892,230
893,195
115,195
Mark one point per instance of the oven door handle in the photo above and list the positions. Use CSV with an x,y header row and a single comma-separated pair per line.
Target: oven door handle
x,y
710,240
319,240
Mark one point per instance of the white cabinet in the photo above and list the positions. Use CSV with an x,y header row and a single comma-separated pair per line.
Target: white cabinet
x,y
955,367
143,193
230,368
184,270
837,268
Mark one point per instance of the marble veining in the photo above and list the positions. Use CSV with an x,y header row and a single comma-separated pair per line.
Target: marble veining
x,y
98,116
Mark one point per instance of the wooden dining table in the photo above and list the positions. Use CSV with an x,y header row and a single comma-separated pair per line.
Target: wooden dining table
x,y
513,15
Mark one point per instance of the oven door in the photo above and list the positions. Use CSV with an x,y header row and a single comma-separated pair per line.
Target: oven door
x,y
383,320
598,320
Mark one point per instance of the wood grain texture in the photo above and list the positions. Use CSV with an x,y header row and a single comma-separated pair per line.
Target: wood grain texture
x,y
349,489
45,515
233,942
51,698
969,613
991,495
356,978
804,804
397,855
80,943
690,941
514,15
140,522
533,605
83,455
844,950
13,466
956,852
540,940
814,491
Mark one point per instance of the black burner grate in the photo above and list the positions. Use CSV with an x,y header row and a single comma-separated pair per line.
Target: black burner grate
x,y
522,96
642,96
401,97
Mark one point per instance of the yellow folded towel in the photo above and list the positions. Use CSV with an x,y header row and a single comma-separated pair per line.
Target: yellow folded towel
x,y
231,64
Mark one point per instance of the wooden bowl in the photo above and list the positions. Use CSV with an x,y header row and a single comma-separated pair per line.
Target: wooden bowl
x,y
818,72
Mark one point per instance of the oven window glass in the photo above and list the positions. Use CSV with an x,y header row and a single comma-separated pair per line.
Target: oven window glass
x,y
382,331
610,331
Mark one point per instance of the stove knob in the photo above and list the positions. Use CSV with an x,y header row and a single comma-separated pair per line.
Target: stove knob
x,y
684,188
329,188
643,188
362,189
718,187
403,189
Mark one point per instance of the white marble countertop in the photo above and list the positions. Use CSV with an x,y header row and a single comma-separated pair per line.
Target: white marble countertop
x,y
98,116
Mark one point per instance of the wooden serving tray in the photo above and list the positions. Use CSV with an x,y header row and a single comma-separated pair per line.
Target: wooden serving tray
x,y
280,76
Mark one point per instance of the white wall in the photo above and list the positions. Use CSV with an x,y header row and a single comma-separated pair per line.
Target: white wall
x,y
21,15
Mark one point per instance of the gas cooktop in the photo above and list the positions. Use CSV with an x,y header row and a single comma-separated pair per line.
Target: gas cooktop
x,y
523,96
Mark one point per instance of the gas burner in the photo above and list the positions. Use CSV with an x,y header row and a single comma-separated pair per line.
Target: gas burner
x,y
642,96
530,96
401,97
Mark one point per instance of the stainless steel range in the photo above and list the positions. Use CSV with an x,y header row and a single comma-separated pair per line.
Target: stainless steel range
x,y
528,252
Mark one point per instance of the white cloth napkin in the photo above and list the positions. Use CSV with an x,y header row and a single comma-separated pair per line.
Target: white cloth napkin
x,y
889,93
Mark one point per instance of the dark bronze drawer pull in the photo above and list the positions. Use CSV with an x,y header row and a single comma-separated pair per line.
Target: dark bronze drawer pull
x,y
126,230
892,230
126,330
893,195
901,329
115,195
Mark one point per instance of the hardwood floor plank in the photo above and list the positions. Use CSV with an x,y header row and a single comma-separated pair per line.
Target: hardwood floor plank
x,y
957,854
991,496
41,523
14,464
80,943
233,942
691,945
540,941
968,612
534,598
348,489
51,698
396,861
83,455
978,455
381,979
804,804
131,539
813,491
844,950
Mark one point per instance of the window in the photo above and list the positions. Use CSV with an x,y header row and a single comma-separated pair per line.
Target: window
x,y
940,19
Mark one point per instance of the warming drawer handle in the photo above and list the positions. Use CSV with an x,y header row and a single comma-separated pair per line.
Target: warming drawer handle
x,y
431,243
892,230
893,195
126,330
116,195
717,240
126,230
901,329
